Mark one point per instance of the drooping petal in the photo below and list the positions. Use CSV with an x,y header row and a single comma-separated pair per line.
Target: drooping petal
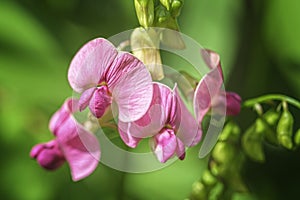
x,y
207,89
89,64
164,145
125,135
80,148
131,87
189,131
212,59
85,98
69,106
100,101
48,155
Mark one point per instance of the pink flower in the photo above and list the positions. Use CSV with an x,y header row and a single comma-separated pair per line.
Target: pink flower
x,y
209,93
102,75
73,144
167,121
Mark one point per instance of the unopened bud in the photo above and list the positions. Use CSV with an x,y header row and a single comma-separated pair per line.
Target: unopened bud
x,y
176,8
285,129
252,141
208,179
271,118
166,3
145,12
199,191
297,138
230,132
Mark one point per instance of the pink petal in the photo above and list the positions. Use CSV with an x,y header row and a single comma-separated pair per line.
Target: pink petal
x,y
233,103
100,101
89,64
150,124
212,59
80,147
131,87
69,106
164,145
156,116
180,149
189,131
206,90
48,155
127,138
85,98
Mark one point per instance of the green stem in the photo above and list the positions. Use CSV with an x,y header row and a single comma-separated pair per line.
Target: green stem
x,y
270,97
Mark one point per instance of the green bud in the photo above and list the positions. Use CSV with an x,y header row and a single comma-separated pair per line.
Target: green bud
x,y
166,3
252,141
176,8
271,118
230,132
297,138
285,129
223,153
208,179
145,12
162,16
199,191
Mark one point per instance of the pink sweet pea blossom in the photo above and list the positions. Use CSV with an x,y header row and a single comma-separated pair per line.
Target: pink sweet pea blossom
x,y
102,75
167,121
72,143
209,93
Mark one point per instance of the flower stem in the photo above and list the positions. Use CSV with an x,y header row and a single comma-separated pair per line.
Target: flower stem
x,y
271,97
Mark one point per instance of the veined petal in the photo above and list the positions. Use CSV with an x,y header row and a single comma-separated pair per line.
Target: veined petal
x,y
164,145
131,87
150,124
206,90
100,101
189,131
80,148
127,138
85,98
89,64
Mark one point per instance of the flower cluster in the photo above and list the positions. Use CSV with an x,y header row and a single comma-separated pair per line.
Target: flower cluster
x,y
114,81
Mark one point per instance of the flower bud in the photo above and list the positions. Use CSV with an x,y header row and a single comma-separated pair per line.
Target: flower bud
x,y
271,118
166,3
208,179
199,191
297,138
285,129
233,103
48,155
176,8
145,12
252,141
230,132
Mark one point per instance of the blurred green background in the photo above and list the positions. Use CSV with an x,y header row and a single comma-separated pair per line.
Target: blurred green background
x,y
260,50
